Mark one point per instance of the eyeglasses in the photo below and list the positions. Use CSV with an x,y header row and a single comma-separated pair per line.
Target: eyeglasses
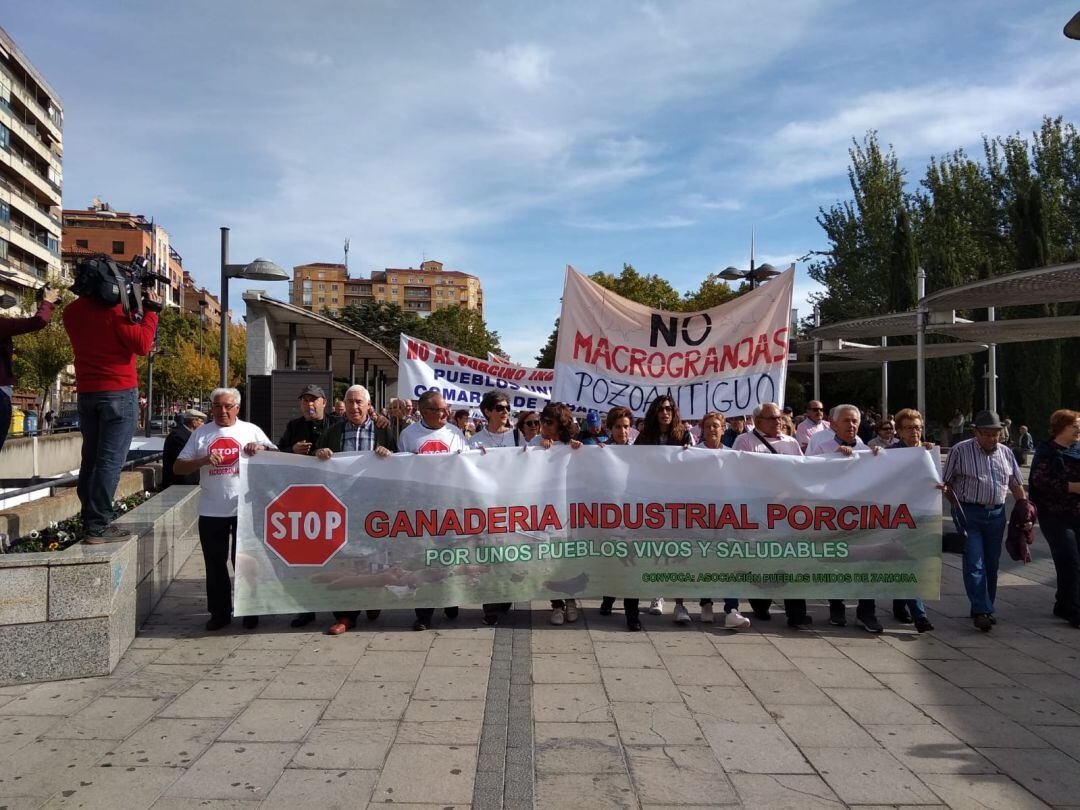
x,y
225,407
770,418
815,409
502,408
435,410
531,423
667,408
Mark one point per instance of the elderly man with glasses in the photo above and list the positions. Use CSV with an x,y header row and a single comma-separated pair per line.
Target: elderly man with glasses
x,y
813,421
214,449
432,434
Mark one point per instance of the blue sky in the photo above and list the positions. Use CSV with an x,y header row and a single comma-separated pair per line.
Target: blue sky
x,y
508,139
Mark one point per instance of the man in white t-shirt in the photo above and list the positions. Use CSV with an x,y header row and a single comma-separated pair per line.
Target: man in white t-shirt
x,y
766,436
214,449
432,434
813,422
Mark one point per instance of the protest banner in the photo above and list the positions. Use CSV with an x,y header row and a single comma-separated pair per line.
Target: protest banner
x,y
612,351
463,380
362,532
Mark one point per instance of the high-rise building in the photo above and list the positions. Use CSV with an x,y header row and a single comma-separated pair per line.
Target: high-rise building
x,y
99,230
422,290
31,177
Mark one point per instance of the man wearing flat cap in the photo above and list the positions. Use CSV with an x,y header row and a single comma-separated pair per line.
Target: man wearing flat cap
x,y
303,433
981,472
188,421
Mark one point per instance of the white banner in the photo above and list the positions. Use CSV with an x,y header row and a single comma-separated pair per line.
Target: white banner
x,y
612,351
359,531
463,380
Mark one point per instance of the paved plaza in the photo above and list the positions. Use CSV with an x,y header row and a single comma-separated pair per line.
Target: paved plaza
x,y
582,716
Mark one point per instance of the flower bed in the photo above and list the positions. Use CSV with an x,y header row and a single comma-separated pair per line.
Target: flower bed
x,y
58,535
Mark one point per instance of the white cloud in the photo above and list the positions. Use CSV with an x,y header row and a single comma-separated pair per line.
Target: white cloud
x,y
525,65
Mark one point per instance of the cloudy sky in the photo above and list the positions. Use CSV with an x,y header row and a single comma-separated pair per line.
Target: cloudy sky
x,y
509,139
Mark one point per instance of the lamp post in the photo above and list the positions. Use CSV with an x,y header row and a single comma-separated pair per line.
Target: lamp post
x,y
755,275
257,270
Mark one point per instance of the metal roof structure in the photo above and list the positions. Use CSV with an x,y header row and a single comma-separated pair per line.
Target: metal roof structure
x,y
1019,330
1045,285
890,354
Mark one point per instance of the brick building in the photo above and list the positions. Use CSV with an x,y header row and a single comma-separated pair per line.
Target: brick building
x,y
31,175
122,236
422,290
200,302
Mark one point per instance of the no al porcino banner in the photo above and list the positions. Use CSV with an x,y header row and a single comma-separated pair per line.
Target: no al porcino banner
x,y
612,351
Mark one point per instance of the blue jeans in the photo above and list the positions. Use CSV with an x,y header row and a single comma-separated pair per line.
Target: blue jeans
x,y
982,553
914,606
107,423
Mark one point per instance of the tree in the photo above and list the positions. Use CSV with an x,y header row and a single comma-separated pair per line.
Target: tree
x,y
902,297
40,357
712,292
460,329
185,372
380,321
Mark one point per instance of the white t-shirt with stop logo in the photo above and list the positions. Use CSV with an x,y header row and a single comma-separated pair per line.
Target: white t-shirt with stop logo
x,y
220,483
419,438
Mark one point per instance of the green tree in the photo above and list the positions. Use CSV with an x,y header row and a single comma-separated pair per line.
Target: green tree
x,y
712,292
902,297
382,322
40,357
185,372
459,328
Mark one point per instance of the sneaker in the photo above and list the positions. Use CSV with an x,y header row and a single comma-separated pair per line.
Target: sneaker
x,y
217,622
249,622
557,616
656,607
982,622
419,625
922,624
682,615
869,623
736,621
762,613
707,613
606,605
111,534
302,620
799,621
837,615
571,610
633,624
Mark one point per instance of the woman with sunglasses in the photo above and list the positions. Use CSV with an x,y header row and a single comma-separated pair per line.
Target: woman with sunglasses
x,y
497,433
557,427
909,426
664,426
619,422
528,422
884,434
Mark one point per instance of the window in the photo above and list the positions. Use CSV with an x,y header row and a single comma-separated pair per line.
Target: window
x,y
393,290
333,287
5,212
393,279
3,248
118,248
334,300
5,137
438,293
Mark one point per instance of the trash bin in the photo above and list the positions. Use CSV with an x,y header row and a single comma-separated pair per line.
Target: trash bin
x,y
30,423
17,419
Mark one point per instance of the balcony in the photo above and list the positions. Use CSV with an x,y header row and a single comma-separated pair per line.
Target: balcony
x,y
26,132
29,242
27,171
53,121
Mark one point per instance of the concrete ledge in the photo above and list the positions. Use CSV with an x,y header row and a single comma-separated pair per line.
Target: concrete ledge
x,y
54,454
37,515
73,613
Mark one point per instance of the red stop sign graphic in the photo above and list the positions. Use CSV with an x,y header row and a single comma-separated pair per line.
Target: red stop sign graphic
x,y
306,524
229,450
433,446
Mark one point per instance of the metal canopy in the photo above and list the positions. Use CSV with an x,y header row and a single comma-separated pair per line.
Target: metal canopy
x,y
311,333
883,354
1045,285
828,366
1013,331
891,325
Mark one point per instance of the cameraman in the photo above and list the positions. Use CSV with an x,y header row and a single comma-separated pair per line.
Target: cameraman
x,y
106,342
9,327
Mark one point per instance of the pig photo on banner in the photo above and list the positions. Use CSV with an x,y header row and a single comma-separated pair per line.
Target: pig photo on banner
x,y
612,351
463,380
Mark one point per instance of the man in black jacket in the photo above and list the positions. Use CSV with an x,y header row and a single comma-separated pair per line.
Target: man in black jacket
x,y
302,434
190,420
357,432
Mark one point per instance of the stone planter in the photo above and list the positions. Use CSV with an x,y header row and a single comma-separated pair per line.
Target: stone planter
x,y
73,613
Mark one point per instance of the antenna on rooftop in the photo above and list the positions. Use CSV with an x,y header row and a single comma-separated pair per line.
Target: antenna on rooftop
x,y
346,253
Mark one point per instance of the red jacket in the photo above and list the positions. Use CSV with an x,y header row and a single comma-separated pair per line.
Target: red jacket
x,y
9,327
105,343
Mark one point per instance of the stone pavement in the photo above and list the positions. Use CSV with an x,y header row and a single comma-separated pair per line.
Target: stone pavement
x,y
585,715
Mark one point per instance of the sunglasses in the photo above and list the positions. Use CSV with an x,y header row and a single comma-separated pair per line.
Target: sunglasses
x,y
531,423
815,409
667,408
502,408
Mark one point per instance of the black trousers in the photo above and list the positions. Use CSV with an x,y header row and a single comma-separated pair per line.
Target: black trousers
x,y
1063,537
632,607
763,605
353,615
866,607
217,537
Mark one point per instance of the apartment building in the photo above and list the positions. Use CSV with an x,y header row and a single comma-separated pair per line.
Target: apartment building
x,y
201,303
122,236
31,176
422,290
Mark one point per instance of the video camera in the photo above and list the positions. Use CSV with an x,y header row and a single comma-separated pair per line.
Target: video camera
x,y
111,283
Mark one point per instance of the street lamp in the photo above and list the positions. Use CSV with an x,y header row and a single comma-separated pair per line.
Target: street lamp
x,y
755,275
1072,27
258,270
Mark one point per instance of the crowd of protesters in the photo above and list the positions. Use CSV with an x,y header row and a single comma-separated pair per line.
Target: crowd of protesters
x,y
980,472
